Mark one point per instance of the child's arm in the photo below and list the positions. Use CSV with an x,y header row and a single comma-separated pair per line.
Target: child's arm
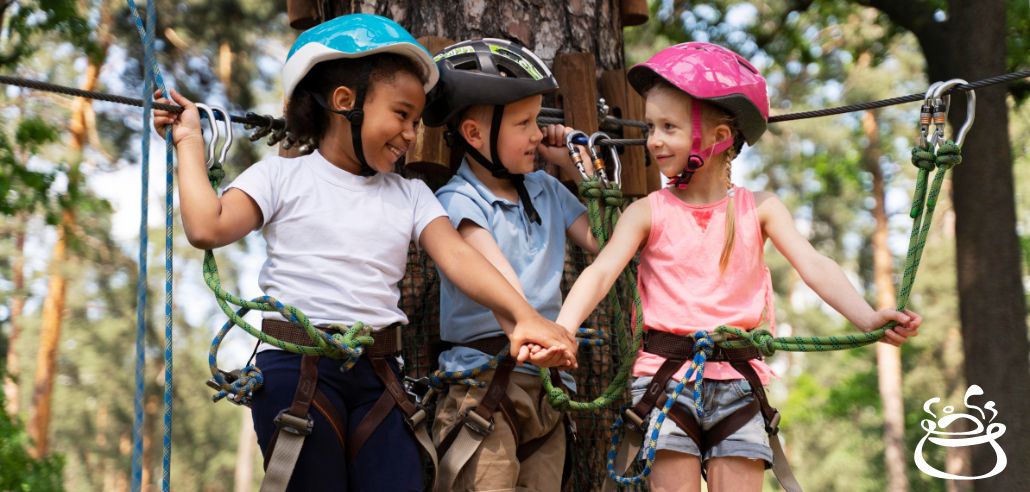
x,y
826,278
482,241
209,221
479,280
597,279
553,150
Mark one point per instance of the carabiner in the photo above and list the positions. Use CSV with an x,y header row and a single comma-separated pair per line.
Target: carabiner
x,y
228,133
596,158
574,152
946,100
207,111
925,115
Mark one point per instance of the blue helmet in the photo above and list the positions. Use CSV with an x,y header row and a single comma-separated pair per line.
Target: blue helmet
x,y
354,36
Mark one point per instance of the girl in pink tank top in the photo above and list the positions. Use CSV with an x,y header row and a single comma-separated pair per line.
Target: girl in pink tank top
x,y
701,244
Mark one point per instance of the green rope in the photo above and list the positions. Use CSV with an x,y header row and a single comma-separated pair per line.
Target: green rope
x,y
347,343
603,205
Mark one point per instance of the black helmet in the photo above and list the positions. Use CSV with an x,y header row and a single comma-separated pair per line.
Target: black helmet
x,y
492,72
489,71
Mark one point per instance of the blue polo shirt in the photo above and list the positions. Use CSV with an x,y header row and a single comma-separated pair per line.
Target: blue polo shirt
x,y
535,251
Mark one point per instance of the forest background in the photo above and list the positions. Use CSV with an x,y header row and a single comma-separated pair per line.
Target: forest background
x,y
69,209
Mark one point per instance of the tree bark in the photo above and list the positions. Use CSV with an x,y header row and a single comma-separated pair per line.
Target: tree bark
x,y
548,28
992,305
888,357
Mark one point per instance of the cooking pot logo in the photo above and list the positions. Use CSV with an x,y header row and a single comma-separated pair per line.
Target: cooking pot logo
x,y
978,435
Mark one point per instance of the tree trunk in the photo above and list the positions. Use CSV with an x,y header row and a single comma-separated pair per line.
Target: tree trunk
x,y
972,44
548,28
888,357
53,304
245,448
992,305
50,334
12,365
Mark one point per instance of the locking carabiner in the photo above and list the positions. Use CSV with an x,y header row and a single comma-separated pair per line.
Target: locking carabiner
x,y
596,158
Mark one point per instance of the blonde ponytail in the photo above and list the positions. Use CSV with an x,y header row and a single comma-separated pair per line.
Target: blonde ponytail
x,y
731,222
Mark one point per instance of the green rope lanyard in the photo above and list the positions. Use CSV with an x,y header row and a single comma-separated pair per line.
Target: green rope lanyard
x,y
924,202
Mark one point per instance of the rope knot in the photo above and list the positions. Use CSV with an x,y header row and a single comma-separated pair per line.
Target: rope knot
x,y
764,341
923,158
613,197
590,188
949,155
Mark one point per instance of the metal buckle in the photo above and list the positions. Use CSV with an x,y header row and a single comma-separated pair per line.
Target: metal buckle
x,y
773,427
631,416
417,388
293,424
477,423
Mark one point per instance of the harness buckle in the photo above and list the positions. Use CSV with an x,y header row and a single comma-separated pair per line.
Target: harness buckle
x,y
773,427
293,424
418,389
477,423
631,416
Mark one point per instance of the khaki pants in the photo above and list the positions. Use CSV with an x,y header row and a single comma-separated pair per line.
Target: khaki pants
x,y
494,466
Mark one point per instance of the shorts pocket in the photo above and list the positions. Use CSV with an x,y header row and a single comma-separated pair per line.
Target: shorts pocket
x,y
742,387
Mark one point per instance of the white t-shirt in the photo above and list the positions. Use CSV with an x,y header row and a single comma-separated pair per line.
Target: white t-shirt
x,y
337,243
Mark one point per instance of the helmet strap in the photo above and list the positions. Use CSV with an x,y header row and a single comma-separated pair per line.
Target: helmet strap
x,y
496,166
695,160
356,117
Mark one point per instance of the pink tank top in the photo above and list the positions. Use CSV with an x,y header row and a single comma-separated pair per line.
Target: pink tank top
x,y
681,287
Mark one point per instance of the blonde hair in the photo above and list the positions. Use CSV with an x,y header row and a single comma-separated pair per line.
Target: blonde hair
x,y
731,222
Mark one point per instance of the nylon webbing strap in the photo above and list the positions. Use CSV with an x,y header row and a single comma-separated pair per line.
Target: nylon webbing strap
x,y
781,467
294,425
474,427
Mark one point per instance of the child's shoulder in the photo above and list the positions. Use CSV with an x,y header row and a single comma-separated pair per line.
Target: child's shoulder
x,y
458,186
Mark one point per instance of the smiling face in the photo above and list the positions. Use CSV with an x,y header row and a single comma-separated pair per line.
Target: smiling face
x,y
517,139
670,132
392,112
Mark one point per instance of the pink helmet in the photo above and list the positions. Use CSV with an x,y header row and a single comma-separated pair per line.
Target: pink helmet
x,y
711,73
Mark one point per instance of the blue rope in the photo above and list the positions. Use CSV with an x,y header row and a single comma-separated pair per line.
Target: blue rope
x,y
152,76
703,345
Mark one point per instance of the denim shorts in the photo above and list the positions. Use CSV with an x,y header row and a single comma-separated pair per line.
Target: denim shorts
x,y
719,399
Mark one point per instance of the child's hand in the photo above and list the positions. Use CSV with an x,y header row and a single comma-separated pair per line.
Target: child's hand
x,y
540,332
550,357
553,150
185,125
908,325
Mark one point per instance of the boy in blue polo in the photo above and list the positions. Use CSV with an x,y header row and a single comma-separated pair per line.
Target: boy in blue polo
x,y
503,434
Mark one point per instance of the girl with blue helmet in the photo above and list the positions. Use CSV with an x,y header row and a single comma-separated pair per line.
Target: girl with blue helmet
x,y
337,225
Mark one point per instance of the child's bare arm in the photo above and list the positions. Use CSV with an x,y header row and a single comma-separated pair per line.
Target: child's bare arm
x,y
482,241
825,276
579,233
596,280
209,221
479,280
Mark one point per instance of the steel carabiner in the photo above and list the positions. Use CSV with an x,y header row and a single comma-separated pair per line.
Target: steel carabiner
x,y
207,111
939,93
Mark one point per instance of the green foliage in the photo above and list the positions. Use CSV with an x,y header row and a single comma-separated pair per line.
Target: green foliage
x,y
18,470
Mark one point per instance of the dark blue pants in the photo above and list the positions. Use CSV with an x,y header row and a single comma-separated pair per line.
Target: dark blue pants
x,y
389,459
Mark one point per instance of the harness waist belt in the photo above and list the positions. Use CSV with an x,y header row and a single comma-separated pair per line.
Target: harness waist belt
x,y
387,340
490,345
671,346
